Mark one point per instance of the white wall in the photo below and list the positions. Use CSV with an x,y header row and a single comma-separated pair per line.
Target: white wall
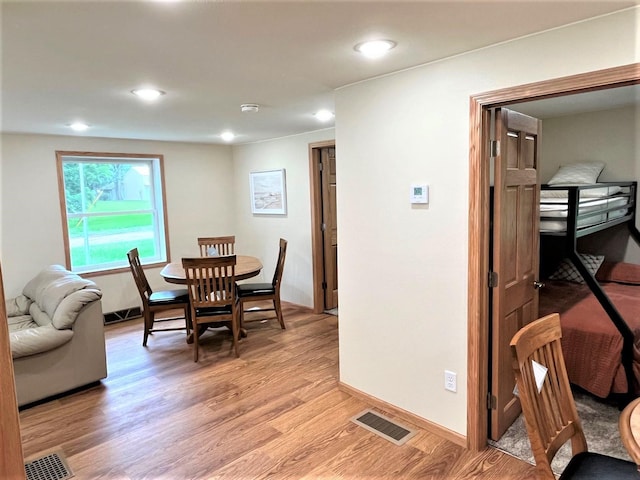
x,y
403,270
259,234
199,197
610,136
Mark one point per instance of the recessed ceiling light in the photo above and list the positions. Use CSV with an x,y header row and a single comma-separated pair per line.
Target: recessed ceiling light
x,y
79,126
323,115
375,48
227,136
147,93
249,107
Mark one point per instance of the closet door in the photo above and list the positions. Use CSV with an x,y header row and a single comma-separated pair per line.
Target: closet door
x,y
515,253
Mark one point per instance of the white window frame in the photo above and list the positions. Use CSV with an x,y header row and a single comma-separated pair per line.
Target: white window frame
x,y
158,208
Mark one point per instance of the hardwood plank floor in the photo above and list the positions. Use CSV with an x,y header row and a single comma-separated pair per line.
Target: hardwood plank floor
x,y
276,412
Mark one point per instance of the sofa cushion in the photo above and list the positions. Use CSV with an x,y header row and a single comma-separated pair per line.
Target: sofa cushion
x,y
39,317
30,341
20,322
18,306
49,287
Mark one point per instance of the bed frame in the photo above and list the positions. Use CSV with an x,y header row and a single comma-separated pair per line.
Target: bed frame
x,y
569,238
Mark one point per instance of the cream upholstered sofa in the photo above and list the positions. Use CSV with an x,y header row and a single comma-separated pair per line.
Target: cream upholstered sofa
x,y
56,332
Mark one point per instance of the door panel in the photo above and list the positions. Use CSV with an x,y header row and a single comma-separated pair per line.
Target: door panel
x,y
330,230
515,253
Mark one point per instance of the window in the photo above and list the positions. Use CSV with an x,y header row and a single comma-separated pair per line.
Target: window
x,y
111,204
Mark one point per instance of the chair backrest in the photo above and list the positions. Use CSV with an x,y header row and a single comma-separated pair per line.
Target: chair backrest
x,y
222,245
550,412
138,275
211,281
277,274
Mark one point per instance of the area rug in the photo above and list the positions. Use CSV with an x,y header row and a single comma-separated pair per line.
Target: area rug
x,y
600,424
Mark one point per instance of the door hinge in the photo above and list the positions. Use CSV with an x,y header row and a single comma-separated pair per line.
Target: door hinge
x,y
492,401
323,227
494,148
320,166
324,285
493,279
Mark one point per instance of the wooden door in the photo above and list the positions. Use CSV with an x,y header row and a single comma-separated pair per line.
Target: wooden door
x,y
11,459
329,226
515,253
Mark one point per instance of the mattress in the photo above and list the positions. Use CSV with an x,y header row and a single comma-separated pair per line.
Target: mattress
x,y
557,208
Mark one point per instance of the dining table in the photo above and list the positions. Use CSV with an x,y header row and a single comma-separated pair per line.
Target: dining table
x,y
629,425
246,267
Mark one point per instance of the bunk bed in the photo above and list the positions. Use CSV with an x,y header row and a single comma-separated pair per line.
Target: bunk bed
x,y
599,301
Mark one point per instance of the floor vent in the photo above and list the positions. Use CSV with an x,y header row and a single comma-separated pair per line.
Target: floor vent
x,y
49,467
383,426
122,315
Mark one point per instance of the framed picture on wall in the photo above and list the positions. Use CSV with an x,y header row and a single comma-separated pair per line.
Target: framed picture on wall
x,y
268,192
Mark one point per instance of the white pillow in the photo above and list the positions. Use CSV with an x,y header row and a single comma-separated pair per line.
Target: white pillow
x,y
567,270
577,173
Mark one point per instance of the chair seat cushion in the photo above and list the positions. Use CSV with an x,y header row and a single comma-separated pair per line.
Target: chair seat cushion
x,y
213,311
590,465
163,297
250,289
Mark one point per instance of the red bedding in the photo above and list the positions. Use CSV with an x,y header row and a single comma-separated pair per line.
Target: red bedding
x,y
591,344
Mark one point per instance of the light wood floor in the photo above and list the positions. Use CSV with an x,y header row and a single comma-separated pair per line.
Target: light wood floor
x,y
275,412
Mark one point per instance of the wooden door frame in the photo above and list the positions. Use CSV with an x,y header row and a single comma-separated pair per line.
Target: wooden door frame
x,y
317,247
11,453
478,292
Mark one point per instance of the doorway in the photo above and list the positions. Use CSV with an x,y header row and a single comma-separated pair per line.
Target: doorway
x,y
479,188
324,229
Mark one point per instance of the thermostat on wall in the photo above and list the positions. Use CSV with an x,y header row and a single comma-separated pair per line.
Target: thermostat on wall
x,y
419,193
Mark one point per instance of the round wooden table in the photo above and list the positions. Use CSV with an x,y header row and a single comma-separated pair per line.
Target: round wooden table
x,y
246,267
629,425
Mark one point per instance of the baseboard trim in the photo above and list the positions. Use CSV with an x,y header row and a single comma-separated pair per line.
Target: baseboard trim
x,y
431,427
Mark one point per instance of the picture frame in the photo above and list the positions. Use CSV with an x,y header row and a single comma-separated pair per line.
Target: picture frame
x,y
268,191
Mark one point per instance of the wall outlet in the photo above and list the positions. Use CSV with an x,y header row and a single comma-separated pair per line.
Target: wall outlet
x,y
450,382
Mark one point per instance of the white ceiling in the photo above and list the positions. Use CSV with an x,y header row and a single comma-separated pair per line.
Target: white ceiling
x,y
581,103
79,60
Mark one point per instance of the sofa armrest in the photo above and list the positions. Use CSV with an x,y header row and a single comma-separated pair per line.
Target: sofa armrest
x,y
18,306
69,308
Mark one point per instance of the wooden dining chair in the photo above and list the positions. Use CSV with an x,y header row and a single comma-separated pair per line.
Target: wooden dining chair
x,y
159,301
549,409
211,283
254,292
213,246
